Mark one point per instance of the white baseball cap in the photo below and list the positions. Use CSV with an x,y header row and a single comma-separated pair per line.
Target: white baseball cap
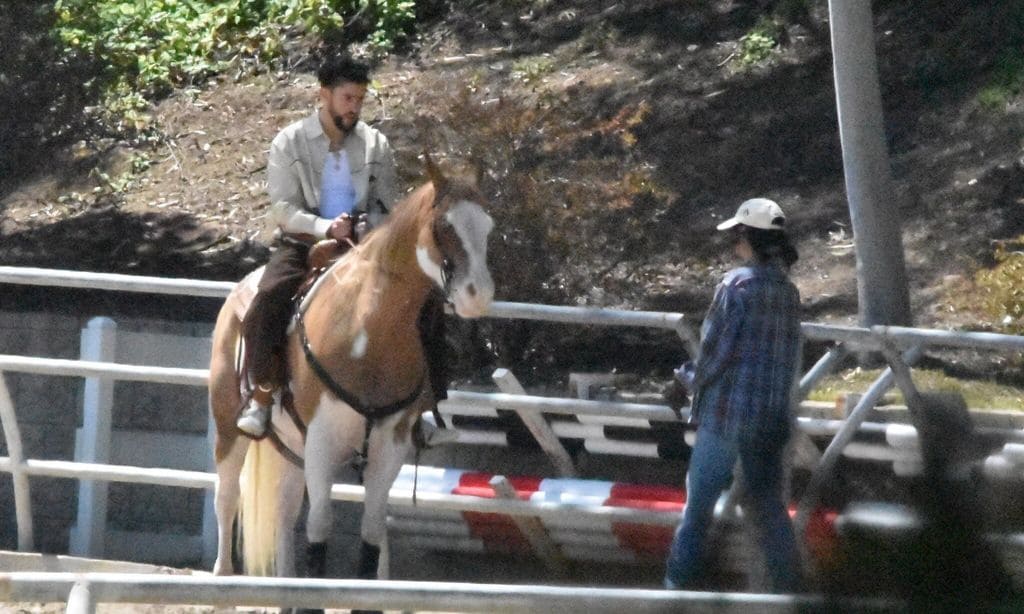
x,y
760,213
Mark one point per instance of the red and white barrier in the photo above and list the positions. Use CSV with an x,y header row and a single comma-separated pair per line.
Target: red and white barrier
x,y
579,536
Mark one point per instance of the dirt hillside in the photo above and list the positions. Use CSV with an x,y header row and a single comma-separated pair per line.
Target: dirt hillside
x,y
612,136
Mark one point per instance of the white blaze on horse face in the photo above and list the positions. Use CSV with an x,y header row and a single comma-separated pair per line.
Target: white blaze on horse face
x,y
359,344
472,293
431,268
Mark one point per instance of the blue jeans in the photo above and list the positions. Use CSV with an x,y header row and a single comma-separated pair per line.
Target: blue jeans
x,y
711,467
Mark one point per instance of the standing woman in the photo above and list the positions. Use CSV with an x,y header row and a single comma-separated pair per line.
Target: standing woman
x,y
742,383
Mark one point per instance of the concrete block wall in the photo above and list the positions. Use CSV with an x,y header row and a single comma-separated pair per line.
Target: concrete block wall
x,y
49,410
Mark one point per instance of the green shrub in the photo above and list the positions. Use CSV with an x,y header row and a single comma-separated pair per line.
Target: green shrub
x,y
1002,286
532,69
1006,83
391,19
756,46
147,48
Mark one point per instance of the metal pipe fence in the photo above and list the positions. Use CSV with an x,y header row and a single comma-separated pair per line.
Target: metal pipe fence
x,y
397,595
86,590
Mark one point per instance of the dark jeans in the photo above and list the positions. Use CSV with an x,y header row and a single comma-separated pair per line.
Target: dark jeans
x,y
266,324
711,467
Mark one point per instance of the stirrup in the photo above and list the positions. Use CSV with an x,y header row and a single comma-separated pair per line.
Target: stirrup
x,y
253,421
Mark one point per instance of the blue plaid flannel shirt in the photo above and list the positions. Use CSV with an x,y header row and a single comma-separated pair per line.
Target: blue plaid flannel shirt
x,y
749,355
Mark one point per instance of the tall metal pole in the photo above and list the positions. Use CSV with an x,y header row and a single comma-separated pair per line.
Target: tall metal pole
x,y
881,272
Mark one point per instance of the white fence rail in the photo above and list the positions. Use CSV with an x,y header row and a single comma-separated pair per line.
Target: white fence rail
x,y
86,590
909,339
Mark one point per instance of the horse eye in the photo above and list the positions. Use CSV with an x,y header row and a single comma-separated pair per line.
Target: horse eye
x,y
443,230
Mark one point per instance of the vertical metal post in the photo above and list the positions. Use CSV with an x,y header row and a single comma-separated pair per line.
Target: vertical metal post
x,y
22,497
99,343
209,535
690,340
881,269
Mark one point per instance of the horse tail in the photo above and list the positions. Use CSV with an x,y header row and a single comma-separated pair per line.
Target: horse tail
x,y
258,481
258,512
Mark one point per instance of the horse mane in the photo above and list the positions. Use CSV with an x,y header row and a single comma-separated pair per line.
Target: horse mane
x,y
384,245
384,250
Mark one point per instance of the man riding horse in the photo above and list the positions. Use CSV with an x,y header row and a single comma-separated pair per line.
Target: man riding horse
x,y
329,176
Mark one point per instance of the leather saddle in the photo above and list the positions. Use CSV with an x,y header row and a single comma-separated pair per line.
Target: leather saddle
x,y
322,255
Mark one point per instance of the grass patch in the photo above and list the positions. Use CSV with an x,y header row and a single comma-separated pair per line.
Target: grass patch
x,y
1007,82
978,394
757,45
1002,287
532,69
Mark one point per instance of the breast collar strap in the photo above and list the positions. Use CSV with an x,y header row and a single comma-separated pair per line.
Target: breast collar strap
x,y
367,411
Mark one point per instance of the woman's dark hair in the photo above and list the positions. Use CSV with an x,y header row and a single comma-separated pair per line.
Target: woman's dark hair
x,y
770,245
340,68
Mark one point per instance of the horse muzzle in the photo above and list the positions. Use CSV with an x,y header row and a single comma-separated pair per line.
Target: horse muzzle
x,y
472,298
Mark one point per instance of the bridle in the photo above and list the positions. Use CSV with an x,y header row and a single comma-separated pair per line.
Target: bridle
x,y
447,275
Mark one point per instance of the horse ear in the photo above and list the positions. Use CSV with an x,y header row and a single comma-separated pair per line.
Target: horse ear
x,y
434,173
478,172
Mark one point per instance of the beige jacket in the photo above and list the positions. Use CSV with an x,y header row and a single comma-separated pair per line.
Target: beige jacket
x,y
296,165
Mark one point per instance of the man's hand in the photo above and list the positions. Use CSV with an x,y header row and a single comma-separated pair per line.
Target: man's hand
x,y
676,395
341,228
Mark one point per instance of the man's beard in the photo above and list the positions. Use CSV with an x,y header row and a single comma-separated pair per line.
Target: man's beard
x,y
339,122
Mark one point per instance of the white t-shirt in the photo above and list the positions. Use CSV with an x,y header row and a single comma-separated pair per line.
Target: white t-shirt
x,y
337,194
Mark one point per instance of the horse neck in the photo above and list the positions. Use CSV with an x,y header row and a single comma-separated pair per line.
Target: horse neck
x,y
397,273
380,288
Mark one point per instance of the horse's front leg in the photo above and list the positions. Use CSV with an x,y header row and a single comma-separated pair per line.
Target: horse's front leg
x,y
385,457
332,435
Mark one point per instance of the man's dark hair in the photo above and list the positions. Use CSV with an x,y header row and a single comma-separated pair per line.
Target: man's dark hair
x,y
770,245
341,68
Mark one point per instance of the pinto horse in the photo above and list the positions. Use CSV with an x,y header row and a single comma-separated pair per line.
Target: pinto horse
x,y
357,376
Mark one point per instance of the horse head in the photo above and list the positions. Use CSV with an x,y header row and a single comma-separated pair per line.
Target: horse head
x,y
452,250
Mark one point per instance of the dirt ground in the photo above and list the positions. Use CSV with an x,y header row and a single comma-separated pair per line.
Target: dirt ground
x,y
612,137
